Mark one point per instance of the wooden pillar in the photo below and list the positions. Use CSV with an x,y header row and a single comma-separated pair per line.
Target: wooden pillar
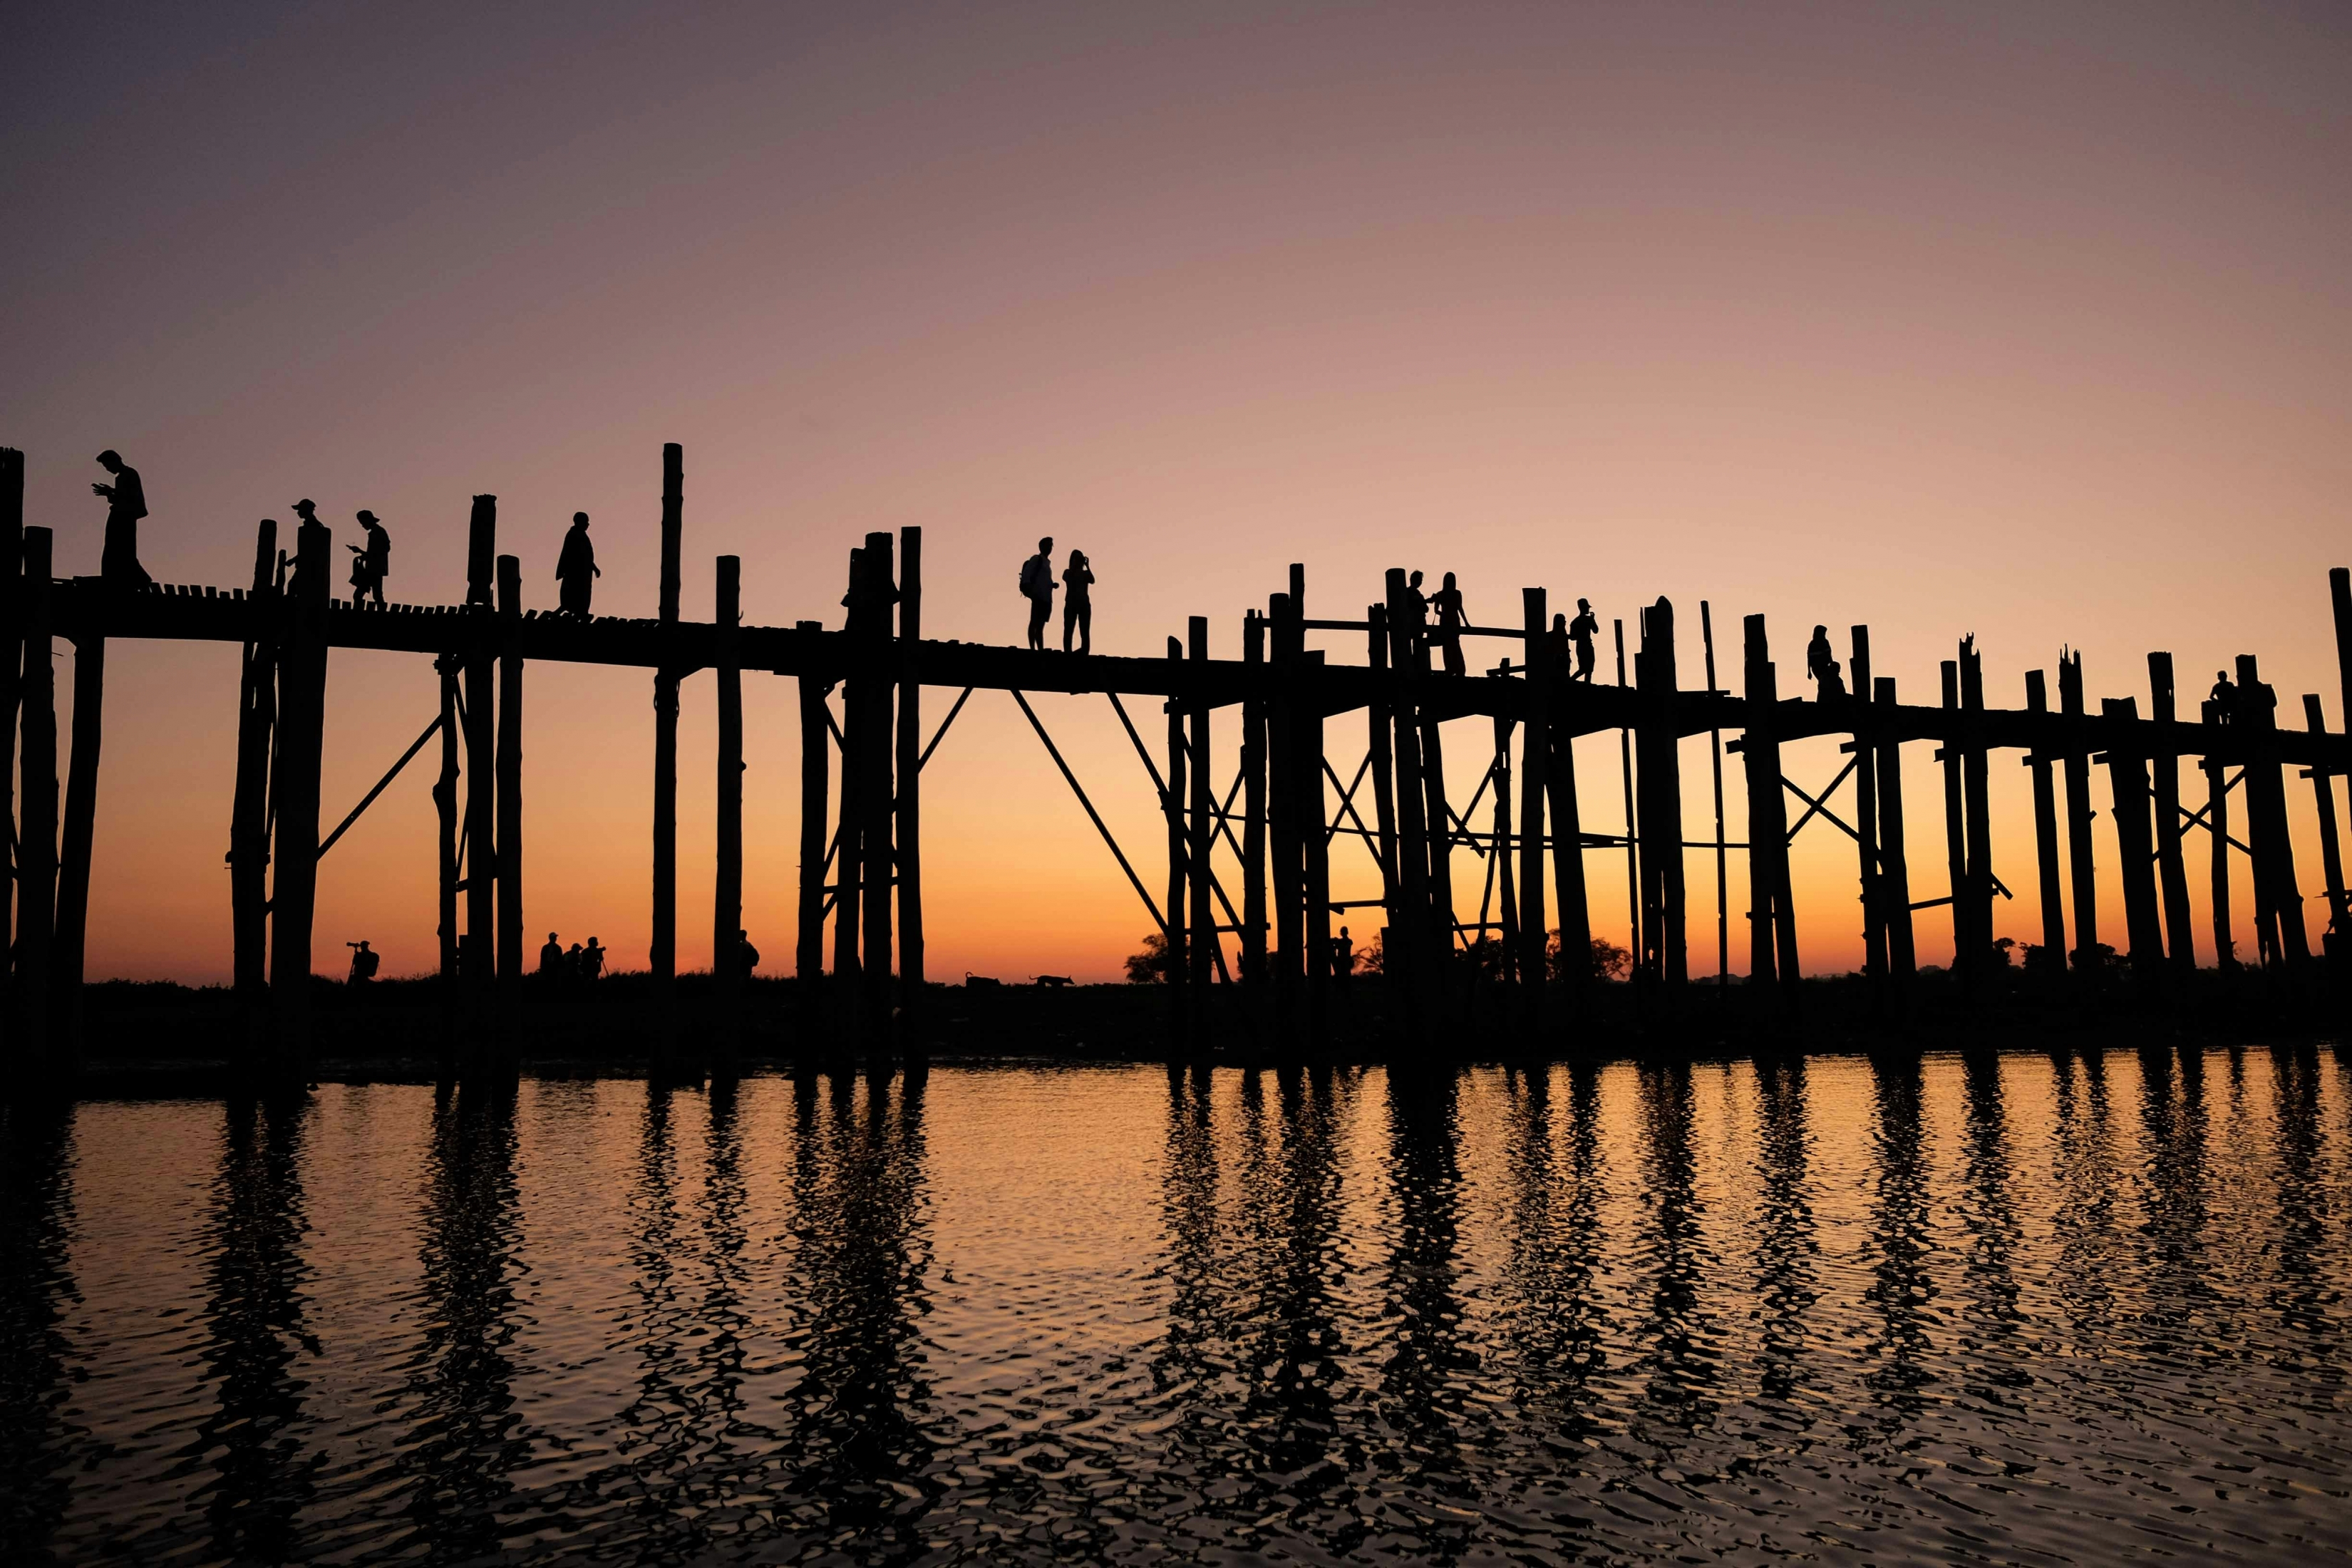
x,y
877,675
1179,963
1440,846
480,951
1966,958
1379,722
11,639
1568,849
302,722
1504,879
1282,806
849,842
1535,753
2278,903
816,772
37,847
2331,852
2128,794
911,995
2339,595
445,809
1664,938
1866,822
2076,767
513,950
1894,861
2045,828
75,845
1407,943
1977,803
2164,766
1315,845
1200,913
662,953
2217,817
1632,822
727,879
1254,806
1773,938
248,822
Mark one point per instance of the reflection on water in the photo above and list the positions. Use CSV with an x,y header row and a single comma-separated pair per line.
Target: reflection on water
x,y
2069,1305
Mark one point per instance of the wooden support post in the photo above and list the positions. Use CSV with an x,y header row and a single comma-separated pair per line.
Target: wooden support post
x,y
1977,805
1179,963
661,956
301,726
1866,822
912,998
1632,824
2278,903
877,674
2135,851
2164,766
1966,958
1502,876
1568,852
479,952
1665,957
1283,796
1254,807
2217,821
1315,844
1201,800
2338,942
1535,753
2045,832
849,842
2339,595
36,844
816,771
2076,767
1407,943
248,822
75,845
1380,723
727,879
1772,944
1894,861
445,809
513,950
12,640
1440,849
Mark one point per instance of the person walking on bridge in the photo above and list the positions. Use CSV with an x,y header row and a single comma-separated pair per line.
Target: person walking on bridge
x,y
1078,602
371,561
126,503
1037,587
1451,620
575,569
1582,631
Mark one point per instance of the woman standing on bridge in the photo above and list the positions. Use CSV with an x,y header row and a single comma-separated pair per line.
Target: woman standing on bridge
x,y
1078,602
575,569
1451,620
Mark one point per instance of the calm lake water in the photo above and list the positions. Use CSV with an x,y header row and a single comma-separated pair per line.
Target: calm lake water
x,y
2023,1308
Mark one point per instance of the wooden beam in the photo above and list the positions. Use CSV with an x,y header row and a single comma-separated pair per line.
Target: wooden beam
x,y
661,957
2075,766
248,822
1966,958
1665,937
1535,753
513,951
1176,951
2164,768
2334,944
875,675
1200,916
912,998
1894,863
1254,809
2134,849
2278,903
1283,832
1866,822
727,879
2045,835
36,846
1773,940
2217,820
479,953
1977,806
75,845
816,769
302,730
1315,846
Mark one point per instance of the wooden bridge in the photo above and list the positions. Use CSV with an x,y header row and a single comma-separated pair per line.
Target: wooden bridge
x,y
861,855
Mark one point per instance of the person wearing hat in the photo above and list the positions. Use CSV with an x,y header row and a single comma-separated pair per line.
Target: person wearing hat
x,y
126,503
575,569
371,561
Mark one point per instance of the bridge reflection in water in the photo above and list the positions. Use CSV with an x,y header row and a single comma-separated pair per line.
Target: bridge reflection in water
x,y
2052,1304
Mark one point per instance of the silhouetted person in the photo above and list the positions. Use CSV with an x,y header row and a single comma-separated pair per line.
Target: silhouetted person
x,y
126,503
747,957
364,962
305,511
551,958
1447,603
575,569
592,960
2225,698
1037,587
1563,656
571,965
1582,631
1343,955
371,561
1823,666
1078,602
1417,606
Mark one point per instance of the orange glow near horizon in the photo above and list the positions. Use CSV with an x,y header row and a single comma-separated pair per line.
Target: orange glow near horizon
x,y
2024,321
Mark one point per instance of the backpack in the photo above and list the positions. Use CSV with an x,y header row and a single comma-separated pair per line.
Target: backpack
x,y
1034,577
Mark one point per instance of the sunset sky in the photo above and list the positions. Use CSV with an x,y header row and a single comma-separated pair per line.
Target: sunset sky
x,y
2030,321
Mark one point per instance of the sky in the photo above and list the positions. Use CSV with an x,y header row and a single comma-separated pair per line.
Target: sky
x,y
2023,321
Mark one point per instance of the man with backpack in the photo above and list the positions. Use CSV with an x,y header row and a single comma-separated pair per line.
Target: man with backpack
x,y
1037,587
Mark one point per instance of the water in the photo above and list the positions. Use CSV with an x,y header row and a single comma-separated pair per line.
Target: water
x,y
2030,1308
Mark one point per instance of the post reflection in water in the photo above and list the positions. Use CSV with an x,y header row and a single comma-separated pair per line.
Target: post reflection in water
x,y
259,1344
2034,1305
